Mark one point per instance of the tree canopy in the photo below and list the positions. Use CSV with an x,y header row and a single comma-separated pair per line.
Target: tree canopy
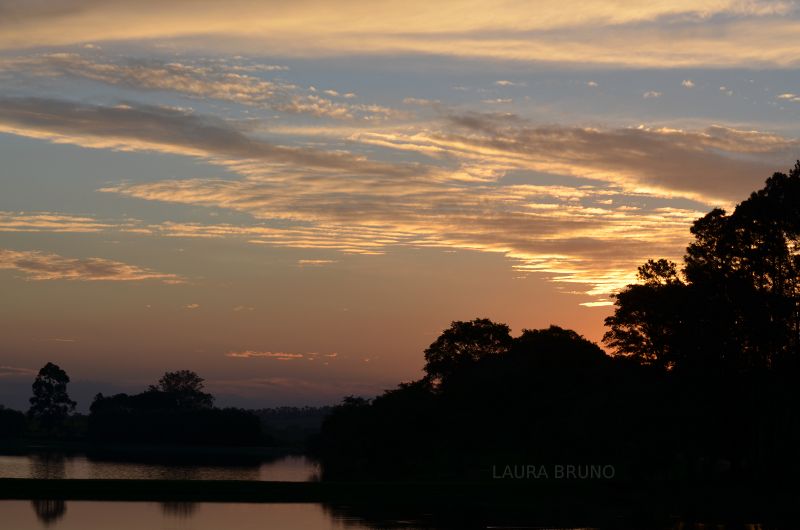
x,y
186,387
464,343
734,305
50,403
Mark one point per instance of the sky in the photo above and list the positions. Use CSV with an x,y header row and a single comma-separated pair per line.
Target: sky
x,y
294,199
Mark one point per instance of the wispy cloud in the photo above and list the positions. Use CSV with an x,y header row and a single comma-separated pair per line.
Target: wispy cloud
x,y
36,265
280,356
143,127
50,222
15,371
314,262
205,80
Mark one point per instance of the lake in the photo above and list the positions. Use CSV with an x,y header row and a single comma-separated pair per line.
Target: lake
x,y
92,515
292,468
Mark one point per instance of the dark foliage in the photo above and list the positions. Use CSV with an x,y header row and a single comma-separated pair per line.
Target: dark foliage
x,y
735,305
50,403
292,426
174,411
185,388
12,423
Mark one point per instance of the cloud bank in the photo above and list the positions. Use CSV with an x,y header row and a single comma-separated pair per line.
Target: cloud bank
x,y
711,32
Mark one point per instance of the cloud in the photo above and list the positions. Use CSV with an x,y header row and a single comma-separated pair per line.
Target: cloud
x,y
204,80
143,127
652,94
36,265
592,84
314,262
541,229
506,83
687,83
15,371
714,165
52,222
279,356
457,198
729,33
191,306
725,90
598,303
790,97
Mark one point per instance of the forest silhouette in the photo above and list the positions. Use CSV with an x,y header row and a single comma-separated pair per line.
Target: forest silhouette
x,y
700,381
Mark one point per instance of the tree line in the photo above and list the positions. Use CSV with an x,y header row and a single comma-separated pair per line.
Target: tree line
x,y
175,410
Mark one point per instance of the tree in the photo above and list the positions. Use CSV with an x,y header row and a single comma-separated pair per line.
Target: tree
x,y
12,423
50,403
735,305
187,389
464,343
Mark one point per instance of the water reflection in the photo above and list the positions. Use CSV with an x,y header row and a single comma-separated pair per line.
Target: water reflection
x,y
49,512
83,515
179,510
293,468
47,465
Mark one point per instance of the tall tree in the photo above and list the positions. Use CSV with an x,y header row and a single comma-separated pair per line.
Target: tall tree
x,y
735,305
50,403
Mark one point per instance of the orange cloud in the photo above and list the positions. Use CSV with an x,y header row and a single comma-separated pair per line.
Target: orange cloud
x,y
36,265
279,356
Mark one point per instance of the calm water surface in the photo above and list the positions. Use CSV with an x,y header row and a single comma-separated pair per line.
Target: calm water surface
x,y
288,468
91,515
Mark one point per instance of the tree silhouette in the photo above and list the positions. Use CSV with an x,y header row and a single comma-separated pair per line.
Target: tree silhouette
x,y
187,389
462,344
735,305
50,404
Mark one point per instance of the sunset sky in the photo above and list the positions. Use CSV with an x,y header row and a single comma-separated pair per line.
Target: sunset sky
x,y
294,198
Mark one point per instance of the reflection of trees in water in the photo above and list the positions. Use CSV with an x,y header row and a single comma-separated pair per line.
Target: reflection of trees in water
x,y
48,465
181,510
49,512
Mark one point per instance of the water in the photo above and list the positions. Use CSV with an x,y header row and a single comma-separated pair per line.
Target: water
x,y
288,468
92,515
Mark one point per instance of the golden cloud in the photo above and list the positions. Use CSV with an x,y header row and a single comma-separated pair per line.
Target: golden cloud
x,y
36,265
